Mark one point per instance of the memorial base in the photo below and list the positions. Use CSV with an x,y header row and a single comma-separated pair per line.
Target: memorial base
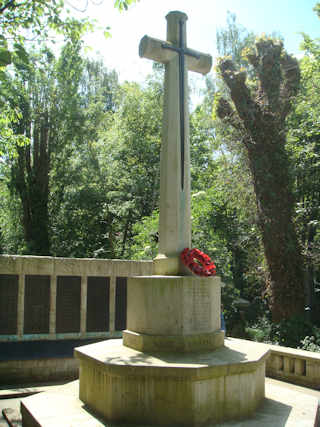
x,y
177,343
123,385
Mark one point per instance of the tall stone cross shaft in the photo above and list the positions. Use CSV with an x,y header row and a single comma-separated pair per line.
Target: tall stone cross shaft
x,y
175,214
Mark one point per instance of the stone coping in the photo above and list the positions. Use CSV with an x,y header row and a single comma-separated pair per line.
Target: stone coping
x,y
172,276
236,357
6,257
293,352
29,264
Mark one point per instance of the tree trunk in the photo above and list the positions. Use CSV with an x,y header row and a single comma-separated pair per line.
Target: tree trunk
x,y
31,178
275,204
259,120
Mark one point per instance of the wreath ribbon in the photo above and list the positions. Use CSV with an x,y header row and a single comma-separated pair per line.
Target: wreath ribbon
x,y
203,266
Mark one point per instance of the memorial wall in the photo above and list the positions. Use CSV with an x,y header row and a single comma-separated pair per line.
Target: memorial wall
x,y
64,298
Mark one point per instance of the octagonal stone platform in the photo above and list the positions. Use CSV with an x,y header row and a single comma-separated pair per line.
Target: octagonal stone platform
x,y
124,385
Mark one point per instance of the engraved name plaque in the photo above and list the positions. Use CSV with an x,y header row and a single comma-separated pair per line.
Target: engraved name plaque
x,y
98,304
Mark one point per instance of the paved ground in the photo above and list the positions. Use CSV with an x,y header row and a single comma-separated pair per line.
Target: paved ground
x,y
10,398
14,402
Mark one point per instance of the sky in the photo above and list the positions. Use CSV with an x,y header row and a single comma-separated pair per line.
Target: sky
x,y
120,52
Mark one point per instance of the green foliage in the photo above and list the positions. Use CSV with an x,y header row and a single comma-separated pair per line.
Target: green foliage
x,y
81,222
260,331
296,332
123,4
5,57
112,181
290,332
103,174
317,9
258,122
38,16
202,139
229,296
304,146
9,139
145,237
43,91
311,342
232,40
11,230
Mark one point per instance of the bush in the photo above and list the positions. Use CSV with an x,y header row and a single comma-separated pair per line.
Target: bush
x,y
290,332
311,342
296,332
260,331
229,296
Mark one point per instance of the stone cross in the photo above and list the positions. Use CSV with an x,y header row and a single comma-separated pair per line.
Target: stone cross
x,y
175,215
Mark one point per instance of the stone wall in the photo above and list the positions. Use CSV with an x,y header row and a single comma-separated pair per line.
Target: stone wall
x,y
46,298
296,366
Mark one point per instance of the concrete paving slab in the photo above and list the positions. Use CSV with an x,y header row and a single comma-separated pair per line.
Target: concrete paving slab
x,y
7,392
283,407
12,416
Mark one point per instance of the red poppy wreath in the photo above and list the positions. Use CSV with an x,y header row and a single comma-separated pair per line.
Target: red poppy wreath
x,y
198,262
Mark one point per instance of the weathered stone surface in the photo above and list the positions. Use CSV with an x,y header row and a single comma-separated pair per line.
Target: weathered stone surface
x,y
125,385
16,310
179,343
12,416
173,306
151,48
284,405
33,370
175,216
297,366
26,264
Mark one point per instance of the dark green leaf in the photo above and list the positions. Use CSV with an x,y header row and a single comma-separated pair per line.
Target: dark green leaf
x,y
5,57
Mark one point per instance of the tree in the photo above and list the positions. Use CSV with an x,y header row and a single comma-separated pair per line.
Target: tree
x,y
261,108
232,40
80,216
111,181
134,141
39,16
304,146
23,20
35,18
45,91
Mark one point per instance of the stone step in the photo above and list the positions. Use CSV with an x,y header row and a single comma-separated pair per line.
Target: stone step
x,y
283,406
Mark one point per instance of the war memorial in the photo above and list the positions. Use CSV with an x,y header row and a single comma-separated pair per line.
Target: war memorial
x,y
173,366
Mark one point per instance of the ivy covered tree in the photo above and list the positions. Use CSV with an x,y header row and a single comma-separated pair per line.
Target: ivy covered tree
x,y
259,118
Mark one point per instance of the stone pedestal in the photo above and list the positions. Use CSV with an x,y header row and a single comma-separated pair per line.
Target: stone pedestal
x,y
173,313
172,367
123,385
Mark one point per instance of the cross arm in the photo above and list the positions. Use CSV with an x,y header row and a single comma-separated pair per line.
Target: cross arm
x,y
152,48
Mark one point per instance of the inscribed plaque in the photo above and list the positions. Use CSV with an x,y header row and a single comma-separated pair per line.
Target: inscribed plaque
x,y
68,304
9,284
37,304
98,304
